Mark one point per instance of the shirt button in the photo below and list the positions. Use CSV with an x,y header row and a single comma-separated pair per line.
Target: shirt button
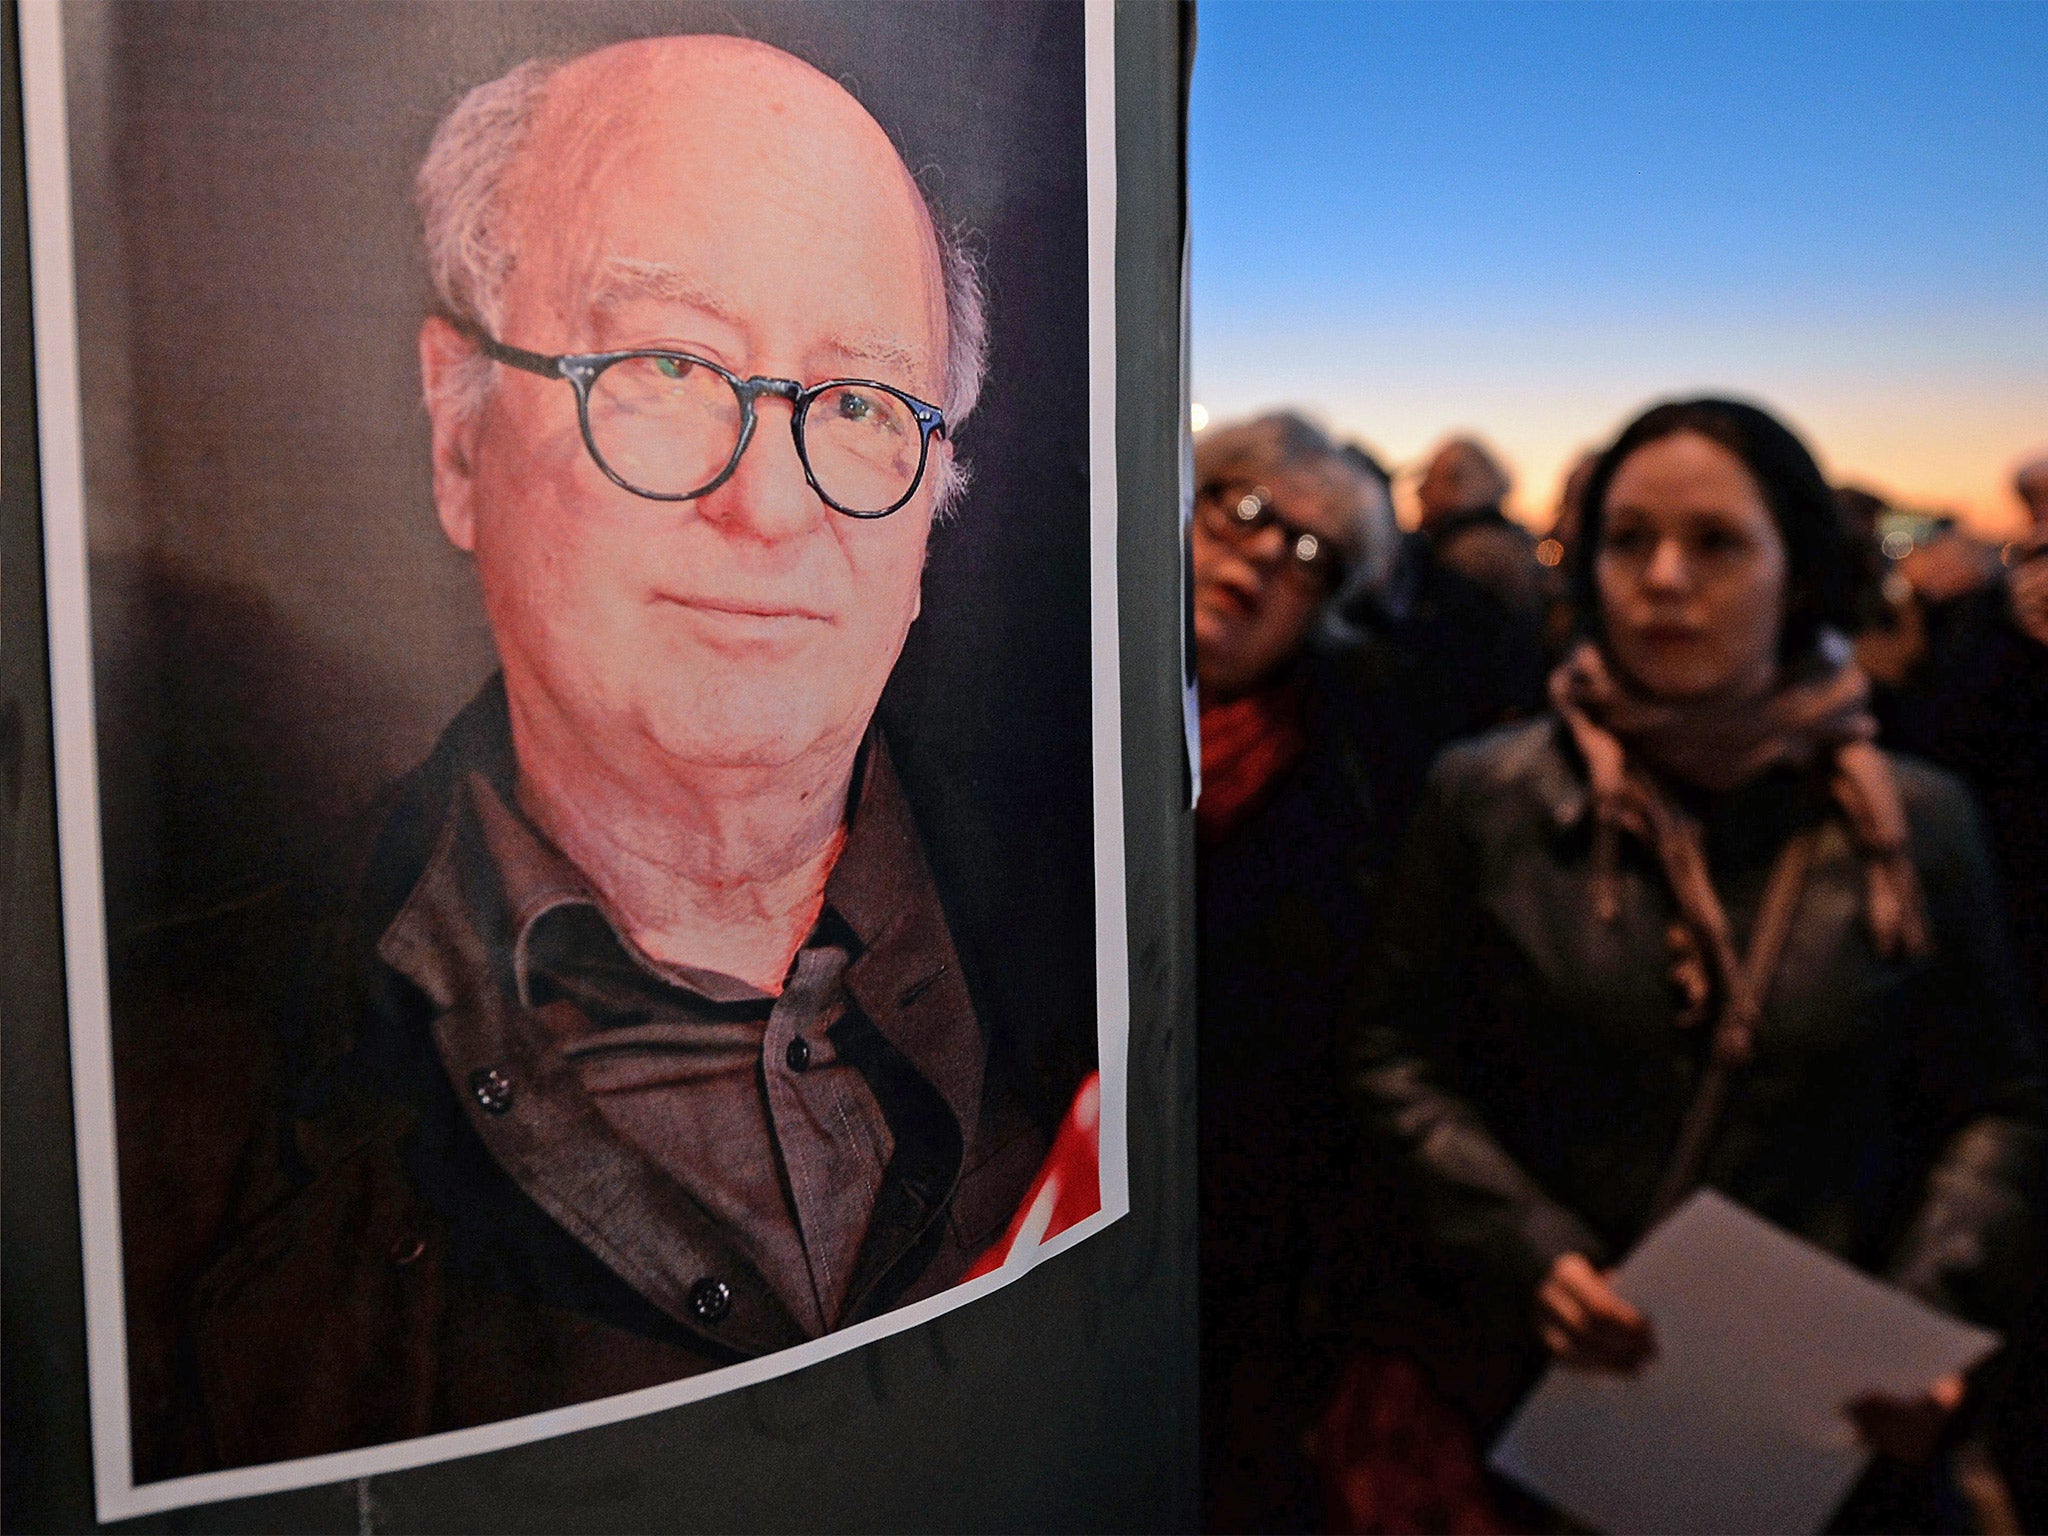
x,y
710,1300
799,1054
492,1089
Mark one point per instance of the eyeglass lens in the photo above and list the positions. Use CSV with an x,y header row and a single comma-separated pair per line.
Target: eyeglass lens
x,y
864,445
1247,512
663,425
668,427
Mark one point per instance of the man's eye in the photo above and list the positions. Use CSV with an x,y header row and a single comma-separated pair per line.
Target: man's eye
x,y
672,367
854,407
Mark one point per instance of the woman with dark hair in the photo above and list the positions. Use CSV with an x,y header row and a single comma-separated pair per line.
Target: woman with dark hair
x,y
1696,928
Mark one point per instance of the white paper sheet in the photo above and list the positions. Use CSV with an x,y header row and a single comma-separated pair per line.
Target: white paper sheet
x,y
1737,1425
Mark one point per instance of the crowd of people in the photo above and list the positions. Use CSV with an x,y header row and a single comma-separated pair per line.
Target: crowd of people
x,y
1546,879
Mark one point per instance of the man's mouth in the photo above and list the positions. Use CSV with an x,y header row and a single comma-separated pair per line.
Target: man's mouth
x,y
744,609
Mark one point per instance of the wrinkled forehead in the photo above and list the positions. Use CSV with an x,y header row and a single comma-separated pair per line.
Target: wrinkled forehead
x,y
720,170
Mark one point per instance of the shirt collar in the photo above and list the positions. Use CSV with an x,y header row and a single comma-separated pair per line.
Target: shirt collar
x,y
492,877
906,973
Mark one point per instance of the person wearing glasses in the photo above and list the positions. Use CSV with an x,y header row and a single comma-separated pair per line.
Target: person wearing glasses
x,y
1303,756
634,1042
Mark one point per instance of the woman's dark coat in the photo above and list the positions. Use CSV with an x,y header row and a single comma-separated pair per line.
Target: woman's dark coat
x,y
1283,903
1522,1060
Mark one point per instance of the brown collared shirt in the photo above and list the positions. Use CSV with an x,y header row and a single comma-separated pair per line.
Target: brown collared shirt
x,y
641,1103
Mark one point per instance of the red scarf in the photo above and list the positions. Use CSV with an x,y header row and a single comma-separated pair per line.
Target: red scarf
x,y
1247,743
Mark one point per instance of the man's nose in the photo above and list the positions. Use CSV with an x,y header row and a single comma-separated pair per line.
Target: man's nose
x,y
768,498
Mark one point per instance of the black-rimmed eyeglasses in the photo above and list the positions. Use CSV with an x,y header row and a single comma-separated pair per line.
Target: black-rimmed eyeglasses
x,y
1237,513
671,426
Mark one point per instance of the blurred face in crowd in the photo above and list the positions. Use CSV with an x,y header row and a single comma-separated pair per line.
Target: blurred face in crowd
x,y
2032,485
720,198
1691,572
2027,590
1461,477
1254,600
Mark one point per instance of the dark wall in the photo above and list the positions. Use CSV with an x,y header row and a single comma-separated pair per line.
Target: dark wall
x,y
1064,1402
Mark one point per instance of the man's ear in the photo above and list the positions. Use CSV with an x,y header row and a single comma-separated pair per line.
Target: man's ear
x,y
444,352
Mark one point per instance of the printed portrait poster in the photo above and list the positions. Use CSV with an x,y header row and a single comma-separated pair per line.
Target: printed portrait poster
x,y
582,597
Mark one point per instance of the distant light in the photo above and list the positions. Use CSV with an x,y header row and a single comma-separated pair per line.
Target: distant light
x,y
1550,552
1897,544
1198,417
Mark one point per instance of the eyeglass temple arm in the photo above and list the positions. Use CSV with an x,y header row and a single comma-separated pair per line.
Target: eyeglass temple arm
x,y
517,357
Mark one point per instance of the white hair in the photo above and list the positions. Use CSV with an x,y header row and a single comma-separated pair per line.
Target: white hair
x,y
470,253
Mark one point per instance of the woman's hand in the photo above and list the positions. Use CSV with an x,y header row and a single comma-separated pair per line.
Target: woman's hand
x,y
1586,1325
1906,1428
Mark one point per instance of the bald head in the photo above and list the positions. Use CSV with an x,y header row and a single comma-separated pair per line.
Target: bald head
x,y
734,98
527,167
726,178
1462,477
706,131
731,232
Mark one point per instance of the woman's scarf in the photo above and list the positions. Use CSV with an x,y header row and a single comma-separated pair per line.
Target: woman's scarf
x,y
1247,743
1819,717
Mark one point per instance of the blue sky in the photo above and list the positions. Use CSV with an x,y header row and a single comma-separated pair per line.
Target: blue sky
x,y
1528,219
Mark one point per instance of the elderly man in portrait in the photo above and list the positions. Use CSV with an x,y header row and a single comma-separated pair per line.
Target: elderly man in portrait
x,y
633,1040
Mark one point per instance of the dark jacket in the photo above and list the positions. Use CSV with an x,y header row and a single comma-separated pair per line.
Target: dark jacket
x,y
1451,653
320,1251
1522,1060
1485,547
1980,709
1283,904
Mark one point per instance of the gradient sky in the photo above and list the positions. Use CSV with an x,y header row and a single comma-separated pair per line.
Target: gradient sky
x,y
1529,220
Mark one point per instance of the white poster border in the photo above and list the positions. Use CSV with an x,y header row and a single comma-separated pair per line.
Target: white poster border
x,y
47,162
